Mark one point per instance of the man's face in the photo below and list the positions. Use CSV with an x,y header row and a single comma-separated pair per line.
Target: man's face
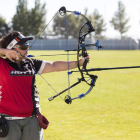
x,y
22,49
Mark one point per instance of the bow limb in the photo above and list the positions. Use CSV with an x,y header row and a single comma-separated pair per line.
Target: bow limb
x,y
51,98
68,99
83,94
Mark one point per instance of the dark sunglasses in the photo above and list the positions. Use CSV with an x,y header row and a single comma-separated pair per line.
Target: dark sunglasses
x,y
22,47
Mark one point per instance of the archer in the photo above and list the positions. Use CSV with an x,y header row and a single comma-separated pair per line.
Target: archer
x,y
19,94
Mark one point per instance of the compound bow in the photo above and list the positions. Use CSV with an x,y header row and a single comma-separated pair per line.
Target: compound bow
x,y
85,30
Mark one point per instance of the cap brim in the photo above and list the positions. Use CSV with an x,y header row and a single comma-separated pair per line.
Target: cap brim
x,y
24,40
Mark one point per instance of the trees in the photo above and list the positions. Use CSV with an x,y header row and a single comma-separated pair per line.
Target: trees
x,y
74,23
119,21
4,28
58,26
37,18
20,19
32,21
97,22
29,22
70,22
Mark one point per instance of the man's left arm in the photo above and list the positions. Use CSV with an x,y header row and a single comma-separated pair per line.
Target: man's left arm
x,y
62,65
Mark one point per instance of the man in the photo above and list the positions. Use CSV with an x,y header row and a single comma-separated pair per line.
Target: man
x,y
19,97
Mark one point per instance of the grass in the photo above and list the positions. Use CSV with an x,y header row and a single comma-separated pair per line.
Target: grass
x,y
111,111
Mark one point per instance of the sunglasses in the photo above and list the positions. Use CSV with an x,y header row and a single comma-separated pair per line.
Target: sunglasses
x,y
22,47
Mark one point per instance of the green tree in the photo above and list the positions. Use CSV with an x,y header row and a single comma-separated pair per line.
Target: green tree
x,y
97,22
71,21
119,21
37,17
20,20
29,22
4,28
58,26
68,22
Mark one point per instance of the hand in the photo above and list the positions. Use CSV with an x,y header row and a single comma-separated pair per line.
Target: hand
x,y
82,60
12,55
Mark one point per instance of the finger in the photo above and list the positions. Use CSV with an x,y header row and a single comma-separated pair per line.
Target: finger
x,y
17,55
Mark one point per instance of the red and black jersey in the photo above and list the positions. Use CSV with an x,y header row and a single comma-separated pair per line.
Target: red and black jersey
x,y
18,92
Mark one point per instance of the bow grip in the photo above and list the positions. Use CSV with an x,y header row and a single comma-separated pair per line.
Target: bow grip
x,y
85,64
86,61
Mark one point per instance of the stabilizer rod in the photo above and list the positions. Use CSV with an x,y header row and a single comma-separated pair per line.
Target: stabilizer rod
x,y
100,69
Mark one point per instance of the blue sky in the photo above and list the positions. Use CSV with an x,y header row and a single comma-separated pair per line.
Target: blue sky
x,y
106,8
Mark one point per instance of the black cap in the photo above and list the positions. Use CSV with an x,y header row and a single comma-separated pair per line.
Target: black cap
x,y
21,39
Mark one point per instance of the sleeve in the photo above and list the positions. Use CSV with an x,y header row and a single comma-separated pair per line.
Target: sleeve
x,y
39,65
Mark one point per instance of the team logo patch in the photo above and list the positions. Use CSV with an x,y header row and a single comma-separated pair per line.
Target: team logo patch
x,y
21,73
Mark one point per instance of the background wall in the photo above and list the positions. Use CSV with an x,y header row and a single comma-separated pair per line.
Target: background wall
x,y
60,44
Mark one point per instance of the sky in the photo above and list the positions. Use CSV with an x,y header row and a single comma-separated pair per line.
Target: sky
x,y
106,8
